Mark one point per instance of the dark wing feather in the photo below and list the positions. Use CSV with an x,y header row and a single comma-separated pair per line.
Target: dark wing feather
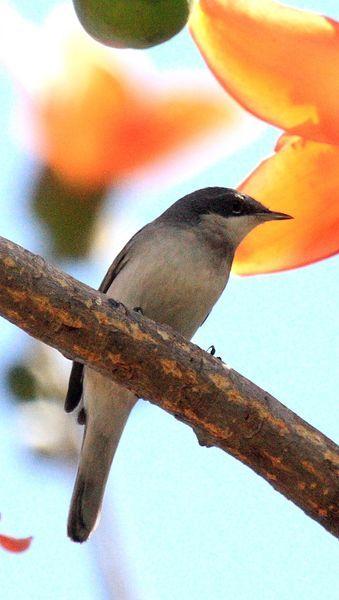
x,y
75,383
74,391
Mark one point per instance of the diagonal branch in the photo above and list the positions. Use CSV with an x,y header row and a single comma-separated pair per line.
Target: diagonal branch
x,y
223,407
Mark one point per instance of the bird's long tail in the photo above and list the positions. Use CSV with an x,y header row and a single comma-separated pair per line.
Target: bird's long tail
x,y
104,427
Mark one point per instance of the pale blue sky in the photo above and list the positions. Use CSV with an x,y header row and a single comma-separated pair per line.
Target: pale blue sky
x,y
190,522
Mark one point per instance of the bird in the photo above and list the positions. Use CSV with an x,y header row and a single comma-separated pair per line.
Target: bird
x,y
172,271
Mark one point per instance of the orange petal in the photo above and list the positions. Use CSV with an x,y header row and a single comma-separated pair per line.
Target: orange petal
x,y
173,121
301,179
13,544
280,63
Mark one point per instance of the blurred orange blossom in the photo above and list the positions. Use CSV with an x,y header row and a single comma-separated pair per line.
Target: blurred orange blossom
x,y
98,116
282,65
14,544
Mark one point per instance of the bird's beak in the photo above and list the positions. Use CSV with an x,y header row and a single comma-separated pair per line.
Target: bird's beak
x,y
272,215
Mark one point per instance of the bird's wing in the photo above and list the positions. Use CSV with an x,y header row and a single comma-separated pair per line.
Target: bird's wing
x,y
75,383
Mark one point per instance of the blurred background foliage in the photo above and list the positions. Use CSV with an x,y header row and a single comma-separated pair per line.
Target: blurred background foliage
x,y
68,213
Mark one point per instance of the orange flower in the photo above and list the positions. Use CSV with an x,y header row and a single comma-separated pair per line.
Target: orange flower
x,y
282,65
100,115
107,124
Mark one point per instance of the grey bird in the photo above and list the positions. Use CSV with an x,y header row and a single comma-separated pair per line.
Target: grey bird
x,y
173,270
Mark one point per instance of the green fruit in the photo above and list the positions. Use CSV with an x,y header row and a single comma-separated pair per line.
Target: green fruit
x,y
132,23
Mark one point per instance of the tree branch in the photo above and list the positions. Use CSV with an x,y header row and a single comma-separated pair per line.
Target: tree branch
x,y
223,407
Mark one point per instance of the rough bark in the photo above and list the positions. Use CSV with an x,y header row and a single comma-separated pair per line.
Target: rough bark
x,y
223,407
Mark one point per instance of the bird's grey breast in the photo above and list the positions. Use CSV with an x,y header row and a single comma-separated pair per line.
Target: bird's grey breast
x,y
172,276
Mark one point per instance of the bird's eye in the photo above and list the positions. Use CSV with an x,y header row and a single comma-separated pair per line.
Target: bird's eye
x,y
237,208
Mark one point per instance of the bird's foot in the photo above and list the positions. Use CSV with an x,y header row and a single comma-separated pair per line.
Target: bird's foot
x,y
139,310
212,351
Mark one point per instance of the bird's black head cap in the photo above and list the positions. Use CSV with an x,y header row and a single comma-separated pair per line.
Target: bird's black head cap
x,y
225,202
